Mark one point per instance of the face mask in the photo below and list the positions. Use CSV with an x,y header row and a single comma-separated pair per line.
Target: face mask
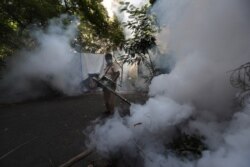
x,y
109,61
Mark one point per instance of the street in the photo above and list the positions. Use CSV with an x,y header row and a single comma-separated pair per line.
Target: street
x,y
48,132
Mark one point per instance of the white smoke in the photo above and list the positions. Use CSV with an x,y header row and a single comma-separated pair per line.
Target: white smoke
x,y
52,63
208,39
145,125
208,42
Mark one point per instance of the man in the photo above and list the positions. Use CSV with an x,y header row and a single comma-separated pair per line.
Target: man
x,y
109,78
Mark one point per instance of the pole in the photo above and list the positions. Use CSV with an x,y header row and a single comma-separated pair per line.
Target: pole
x,y
77,158
112,91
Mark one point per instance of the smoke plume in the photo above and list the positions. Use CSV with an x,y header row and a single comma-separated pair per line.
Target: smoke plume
x,y
51,64
207,39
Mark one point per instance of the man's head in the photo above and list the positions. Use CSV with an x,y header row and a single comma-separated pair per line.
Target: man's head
x,y
108,58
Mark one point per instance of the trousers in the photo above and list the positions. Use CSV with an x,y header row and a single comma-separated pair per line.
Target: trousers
x,y
109,99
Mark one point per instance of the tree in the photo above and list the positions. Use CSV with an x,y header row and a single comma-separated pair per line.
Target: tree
x,y
240,78
17,16
142,24
97,32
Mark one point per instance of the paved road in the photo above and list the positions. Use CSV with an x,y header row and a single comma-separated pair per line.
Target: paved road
x,y
47,132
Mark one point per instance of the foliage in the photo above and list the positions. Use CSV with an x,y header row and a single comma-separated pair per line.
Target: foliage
x,y
97,32
142,24
187,146
16,16
240,78
152,1
92,41
143,28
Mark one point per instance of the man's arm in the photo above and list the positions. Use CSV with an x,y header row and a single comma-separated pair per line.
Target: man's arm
x,y
116,72
116,75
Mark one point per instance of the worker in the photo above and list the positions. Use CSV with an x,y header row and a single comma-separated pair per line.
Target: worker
x,y
109,79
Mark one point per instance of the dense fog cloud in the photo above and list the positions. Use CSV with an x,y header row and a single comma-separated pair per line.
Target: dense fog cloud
x,y
51,64
207,39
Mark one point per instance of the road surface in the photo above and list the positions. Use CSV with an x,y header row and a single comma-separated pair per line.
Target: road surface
x,y
48,132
